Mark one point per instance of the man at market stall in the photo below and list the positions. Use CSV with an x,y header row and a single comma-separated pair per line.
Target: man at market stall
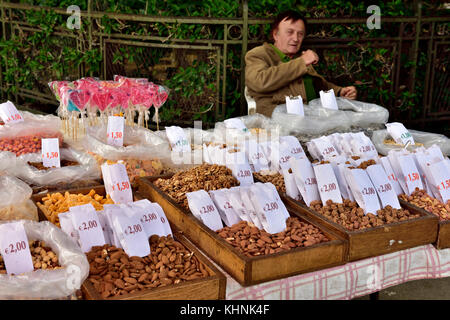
x,y
274,71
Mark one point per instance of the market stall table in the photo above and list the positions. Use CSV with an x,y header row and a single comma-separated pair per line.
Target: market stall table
x,y
354,279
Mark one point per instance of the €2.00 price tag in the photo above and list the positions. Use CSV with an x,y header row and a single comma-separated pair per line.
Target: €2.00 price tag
x,y
50,153
363,190
203,208
14,248
305,179
327,183
117,183
86,222
9,113
384,188
114,133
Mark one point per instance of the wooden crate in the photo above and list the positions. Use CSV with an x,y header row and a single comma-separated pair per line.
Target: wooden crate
x,y
248,270
378,240
208,288
443,236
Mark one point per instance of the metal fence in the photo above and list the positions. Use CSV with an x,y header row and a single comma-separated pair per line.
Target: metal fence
x,y
223,44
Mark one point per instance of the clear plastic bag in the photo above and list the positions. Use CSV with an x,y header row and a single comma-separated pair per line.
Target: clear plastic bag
x,y
425,139
87,169
48,284
16,203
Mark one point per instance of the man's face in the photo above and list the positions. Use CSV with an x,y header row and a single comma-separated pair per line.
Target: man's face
x,y
289,36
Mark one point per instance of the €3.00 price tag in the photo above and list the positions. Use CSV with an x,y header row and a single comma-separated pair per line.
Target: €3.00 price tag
x,y
86,222
14,248
114,133
50,153
9,113
117,183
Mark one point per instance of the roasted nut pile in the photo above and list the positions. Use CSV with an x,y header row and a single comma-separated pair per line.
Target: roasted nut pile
x,y
363,165
252,241
63,162
423,200
114,273
43,257
56,203
352,217
26,144
276,179
204,177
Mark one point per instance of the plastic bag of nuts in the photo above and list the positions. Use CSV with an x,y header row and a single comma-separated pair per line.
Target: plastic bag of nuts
x,y
113,273
352,217
48,282
254,242
422,199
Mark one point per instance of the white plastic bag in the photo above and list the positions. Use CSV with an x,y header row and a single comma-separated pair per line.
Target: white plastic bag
x,y
15,201
48,284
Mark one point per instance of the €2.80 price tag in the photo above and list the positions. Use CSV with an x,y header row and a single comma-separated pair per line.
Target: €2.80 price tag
x,y
14,248
50,153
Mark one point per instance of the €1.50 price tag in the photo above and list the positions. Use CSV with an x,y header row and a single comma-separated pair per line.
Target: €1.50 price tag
x,y
117,183
114,133
50,153
9,113
14,248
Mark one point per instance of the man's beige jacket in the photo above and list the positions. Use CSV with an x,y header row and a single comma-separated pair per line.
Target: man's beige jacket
x,y
269,80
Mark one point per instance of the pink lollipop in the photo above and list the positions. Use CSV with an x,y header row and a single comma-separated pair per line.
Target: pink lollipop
x,y
160,97
80,98
99,99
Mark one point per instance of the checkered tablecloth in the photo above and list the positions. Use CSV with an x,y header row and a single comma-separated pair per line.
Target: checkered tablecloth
x,y
351,280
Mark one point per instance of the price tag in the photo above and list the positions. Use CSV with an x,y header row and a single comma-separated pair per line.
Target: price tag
x,y
234,197
418,157
268,209
325,148
250,208
441,175
399,133
343,184
410,173
240,168
86,222
114,131
391,175
273,193
50,153
14,248
152,218
295,106
203,208
206,157
235,123
109,210
178,139
343,187
363,146
105,227
305,179
384,188
363,190
327,183
9,113
256,156
129,230
435,154
117,184
294,146
291,187
65,221
328,99
223,205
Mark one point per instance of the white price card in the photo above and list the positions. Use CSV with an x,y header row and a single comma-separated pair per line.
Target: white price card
x,y
391,175
114,131
441,175
343,188
9,113
256,156
342,180
434,153
250,208
384,188
50,153
363,190
418,157
152,218
328,99
294,105
363,146
105,227
305,179
267,207
399,133
291,187
327,183
86,222
223,205
325,148
234,196
14,248
294,146
243,173
203,208
273,192
178,139
117,183
65,221
410,173
235,123
131,233
109,210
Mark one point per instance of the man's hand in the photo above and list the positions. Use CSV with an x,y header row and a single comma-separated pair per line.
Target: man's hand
x,y
348,92
310,57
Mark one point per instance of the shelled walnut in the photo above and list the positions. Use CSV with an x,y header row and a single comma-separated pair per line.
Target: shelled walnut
x,y
423,200
276,179
204,177
352,217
